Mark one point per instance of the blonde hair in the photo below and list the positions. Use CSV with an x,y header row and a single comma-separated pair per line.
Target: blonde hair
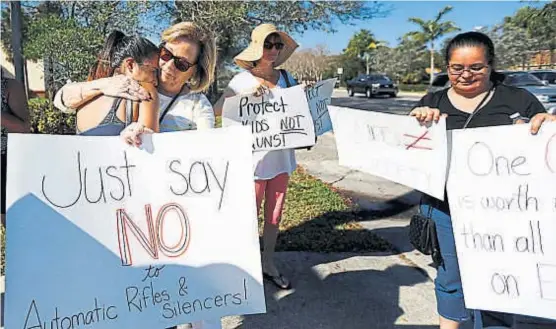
x,y
206,60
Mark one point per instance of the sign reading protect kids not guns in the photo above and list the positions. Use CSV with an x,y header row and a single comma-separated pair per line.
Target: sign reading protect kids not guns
x,y
278,120
502,192
101,235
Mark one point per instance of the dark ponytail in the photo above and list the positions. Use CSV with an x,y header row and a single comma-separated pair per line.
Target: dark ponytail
x,y
102,67
475,39
118,47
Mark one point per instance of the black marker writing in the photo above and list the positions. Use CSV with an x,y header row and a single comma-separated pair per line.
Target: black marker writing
x,y
262,108
83,182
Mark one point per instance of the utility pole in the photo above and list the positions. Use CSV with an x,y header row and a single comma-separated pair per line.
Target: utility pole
x,y
15,8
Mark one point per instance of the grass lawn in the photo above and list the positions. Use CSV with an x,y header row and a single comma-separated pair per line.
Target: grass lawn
x,y
318,218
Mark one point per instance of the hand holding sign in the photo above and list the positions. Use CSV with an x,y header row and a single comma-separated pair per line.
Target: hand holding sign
x,y
503,203
397,148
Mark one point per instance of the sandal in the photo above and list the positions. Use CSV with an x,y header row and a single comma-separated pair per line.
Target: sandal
x,y
279,281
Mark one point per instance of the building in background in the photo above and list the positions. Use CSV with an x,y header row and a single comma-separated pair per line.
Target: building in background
x,y
34,74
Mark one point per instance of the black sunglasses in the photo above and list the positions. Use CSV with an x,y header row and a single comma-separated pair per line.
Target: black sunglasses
x,y
180,62
268,45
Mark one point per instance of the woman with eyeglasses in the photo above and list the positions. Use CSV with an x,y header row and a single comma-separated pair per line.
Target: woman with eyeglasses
x,y
137,59
187,61
269,48
477,98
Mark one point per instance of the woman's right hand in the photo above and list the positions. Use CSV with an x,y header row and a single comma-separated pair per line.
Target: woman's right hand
x,y
261,90
131,135
426,114
124,87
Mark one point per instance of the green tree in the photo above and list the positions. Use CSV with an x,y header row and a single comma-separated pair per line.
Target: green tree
x,y
67,35
538,24
513,45
362,45
233,21
431,31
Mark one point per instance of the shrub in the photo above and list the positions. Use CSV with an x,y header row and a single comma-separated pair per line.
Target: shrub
x,y
46,119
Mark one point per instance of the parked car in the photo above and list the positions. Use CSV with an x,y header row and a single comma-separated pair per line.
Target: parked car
x,y
372,85
546,94
545,75
439,82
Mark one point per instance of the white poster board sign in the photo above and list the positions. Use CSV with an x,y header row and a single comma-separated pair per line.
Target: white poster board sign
x,y
278,120
393,147
107,236
502,192
319,97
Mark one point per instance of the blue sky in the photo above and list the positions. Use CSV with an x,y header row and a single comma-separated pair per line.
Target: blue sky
x,y
466,15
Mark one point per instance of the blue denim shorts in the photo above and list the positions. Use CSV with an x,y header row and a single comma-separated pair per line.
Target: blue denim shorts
x,y
448,287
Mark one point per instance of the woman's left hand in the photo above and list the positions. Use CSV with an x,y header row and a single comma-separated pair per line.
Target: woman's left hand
x,y
539,119
308,85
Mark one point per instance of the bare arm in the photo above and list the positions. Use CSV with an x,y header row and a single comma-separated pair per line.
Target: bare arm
x,y
218,107
74,95
18,121
149,110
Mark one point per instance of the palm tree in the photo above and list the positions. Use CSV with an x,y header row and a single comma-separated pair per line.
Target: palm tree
x,y
431,31
362,45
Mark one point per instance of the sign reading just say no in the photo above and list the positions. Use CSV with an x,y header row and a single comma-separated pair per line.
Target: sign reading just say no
x,y
502,193
278,120
101,235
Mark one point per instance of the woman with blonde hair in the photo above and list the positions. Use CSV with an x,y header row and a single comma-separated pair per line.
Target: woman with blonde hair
x,y
269,48
187,59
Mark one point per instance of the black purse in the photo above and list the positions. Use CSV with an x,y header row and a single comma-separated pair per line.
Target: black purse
x,y
422,236
422,229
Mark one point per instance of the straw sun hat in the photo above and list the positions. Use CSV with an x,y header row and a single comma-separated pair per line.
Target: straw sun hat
x,y
254,51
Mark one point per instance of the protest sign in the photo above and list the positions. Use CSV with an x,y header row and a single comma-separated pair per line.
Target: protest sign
x,y
502,192
278,120
319,97
394,147
109,236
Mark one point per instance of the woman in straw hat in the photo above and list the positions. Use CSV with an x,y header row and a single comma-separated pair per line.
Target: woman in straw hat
x,y
269,48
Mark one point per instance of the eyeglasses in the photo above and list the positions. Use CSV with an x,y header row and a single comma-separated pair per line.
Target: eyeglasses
x,y
268,45
180,62
457,69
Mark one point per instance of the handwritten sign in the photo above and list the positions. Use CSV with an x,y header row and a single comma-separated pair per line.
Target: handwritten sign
x,y
393,147
502,191
279,120
107,236
319,97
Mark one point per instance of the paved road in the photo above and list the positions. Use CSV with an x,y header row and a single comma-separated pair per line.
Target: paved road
x,y
399,105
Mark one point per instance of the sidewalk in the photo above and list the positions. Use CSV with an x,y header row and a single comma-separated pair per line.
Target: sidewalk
x,y
352,291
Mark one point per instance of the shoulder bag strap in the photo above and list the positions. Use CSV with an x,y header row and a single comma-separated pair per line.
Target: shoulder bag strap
x,y
169,106
285,75
478,108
